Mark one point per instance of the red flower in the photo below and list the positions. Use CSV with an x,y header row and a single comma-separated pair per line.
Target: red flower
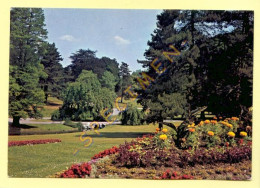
x,y
32,142
227,144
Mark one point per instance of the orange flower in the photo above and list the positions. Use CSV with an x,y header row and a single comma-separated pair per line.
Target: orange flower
x,y
206,121
215,117
157,129
164,130
229,125
213,121
201,123
220,117
235,118
191,130
210,133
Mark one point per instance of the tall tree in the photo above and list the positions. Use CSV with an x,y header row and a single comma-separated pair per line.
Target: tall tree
x,y
27,34
87,60
108,80
124,74
54,83
84,99
214,67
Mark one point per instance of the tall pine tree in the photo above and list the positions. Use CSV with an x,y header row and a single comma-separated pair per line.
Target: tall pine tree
x,y
54,83
27,34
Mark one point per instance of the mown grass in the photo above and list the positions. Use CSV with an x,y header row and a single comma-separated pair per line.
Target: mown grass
x,y
45,127
47,159
52,105
126,101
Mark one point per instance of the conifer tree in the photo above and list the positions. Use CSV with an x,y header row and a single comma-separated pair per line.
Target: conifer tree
x,y
27,34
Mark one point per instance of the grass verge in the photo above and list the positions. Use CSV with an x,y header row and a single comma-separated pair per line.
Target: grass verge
x,y
47,159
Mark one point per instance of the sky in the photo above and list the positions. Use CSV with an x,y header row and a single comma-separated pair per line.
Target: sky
x,y
115,33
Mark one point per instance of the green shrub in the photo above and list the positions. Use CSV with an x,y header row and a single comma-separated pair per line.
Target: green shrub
x,y
78,125
56,116
132,116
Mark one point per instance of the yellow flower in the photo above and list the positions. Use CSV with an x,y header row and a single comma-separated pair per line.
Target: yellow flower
x,y
243,134
164,130
201,123
231,134
210,133
229,125
191,130
206,121
191,125
163,137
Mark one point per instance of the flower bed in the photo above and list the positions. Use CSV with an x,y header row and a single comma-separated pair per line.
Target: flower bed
x,y
32,142
210,150
75,171
106,152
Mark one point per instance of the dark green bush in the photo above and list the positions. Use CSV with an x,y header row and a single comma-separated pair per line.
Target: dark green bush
x,y
132,116
69,123
56,116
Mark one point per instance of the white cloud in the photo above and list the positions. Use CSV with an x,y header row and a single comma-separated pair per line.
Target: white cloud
x,y
121,41
68,38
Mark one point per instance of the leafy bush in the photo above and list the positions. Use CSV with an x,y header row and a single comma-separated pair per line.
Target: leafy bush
x,y
216,155
56,116
78,125
132,116
161,139
145,152
85,99
209,134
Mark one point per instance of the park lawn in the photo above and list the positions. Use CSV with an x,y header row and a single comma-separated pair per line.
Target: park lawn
x,y
45,127
52,105
46,159
126,101
40,120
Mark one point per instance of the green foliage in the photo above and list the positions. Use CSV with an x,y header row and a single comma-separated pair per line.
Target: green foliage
x,y
54,83
58,157
27,34
162,144
125,79
108,80
84,99
87,60
214,67
69,123
132,116
56,116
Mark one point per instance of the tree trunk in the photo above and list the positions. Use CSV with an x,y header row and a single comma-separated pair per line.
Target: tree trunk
x,y
160,126
16,121
46,98
202,114
122,95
